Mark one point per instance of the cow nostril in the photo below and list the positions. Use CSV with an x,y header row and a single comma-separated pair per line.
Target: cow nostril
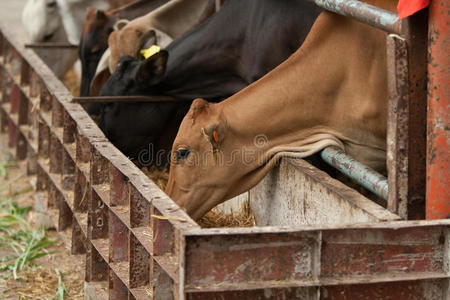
x,y
48,37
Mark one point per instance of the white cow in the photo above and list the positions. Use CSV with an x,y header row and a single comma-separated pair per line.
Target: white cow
x,y
57,21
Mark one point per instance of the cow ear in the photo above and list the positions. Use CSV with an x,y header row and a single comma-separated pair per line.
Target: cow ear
x,y
147,40
100,15
153,68
197,107
215,134
120,24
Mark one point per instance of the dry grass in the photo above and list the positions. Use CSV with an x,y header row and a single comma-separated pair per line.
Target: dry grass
x,y
214,218
72,82
160,177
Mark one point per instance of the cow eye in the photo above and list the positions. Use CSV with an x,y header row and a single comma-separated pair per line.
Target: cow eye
x,y
182,154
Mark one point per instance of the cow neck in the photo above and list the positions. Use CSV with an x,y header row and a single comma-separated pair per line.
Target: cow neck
x,y
197,66
323,111
184,13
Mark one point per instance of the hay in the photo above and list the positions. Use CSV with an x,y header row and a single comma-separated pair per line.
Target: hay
x,y
72,82
214,218
160,177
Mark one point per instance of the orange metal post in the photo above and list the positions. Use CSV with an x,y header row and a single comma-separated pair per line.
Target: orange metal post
x,y
438,168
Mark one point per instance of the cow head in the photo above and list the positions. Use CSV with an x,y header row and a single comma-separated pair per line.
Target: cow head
x,y
41,19
136,76
94,41
202,169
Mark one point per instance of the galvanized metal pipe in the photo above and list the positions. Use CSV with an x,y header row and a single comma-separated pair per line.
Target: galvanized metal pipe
x,y
363,12
367,177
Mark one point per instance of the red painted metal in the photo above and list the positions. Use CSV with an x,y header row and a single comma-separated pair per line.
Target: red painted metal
x,y
438,158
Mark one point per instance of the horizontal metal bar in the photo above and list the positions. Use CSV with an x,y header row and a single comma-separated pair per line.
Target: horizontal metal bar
x,y
51,45
119,99
367,177
363,12
229,259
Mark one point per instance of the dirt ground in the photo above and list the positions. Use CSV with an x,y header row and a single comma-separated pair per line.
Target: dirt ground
x,y
39,279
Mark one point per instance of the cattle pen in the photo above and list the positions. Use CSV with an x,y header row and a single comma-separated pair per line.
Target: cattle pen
x,y
136,243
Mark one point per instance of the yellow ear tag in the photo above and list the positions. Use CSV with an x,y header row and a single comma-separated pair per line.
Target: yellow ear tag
x,y
150,51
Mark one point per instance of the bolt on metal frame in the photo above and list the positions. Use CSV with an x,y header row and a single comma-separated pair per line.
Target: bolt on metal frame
x,y
140,245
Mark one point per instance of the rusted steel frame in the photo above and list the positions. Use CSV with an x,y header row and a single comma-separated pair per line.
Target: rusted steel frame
x,y
406,144
438,178
120,99
416,32
363,12
51,45
367,177
87,134
423,290
218,260
397,130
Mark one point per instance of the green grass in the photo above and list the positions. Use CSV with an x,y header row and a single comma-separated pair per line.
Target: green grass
x,y
26,242
61,287
4,168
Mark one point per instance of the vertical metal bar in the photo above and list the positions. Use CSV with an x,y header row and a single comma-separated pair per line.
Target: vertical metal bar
x,y
68,171
34,85
161,283
118,187
118,239
139,209
54,196
21,147
57,113
406,145
55,154
139,264
163,234
97,218
44,140
24,73
70,128
42,180
31,161
78,239
65,215
438,178
46,99
96,267
416,31
81,192
83,149
117,290
397,130
99,168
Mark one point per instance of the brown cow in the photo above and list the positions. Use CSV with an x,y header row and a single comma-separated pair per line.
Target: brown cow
x,y
172,19
331,92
